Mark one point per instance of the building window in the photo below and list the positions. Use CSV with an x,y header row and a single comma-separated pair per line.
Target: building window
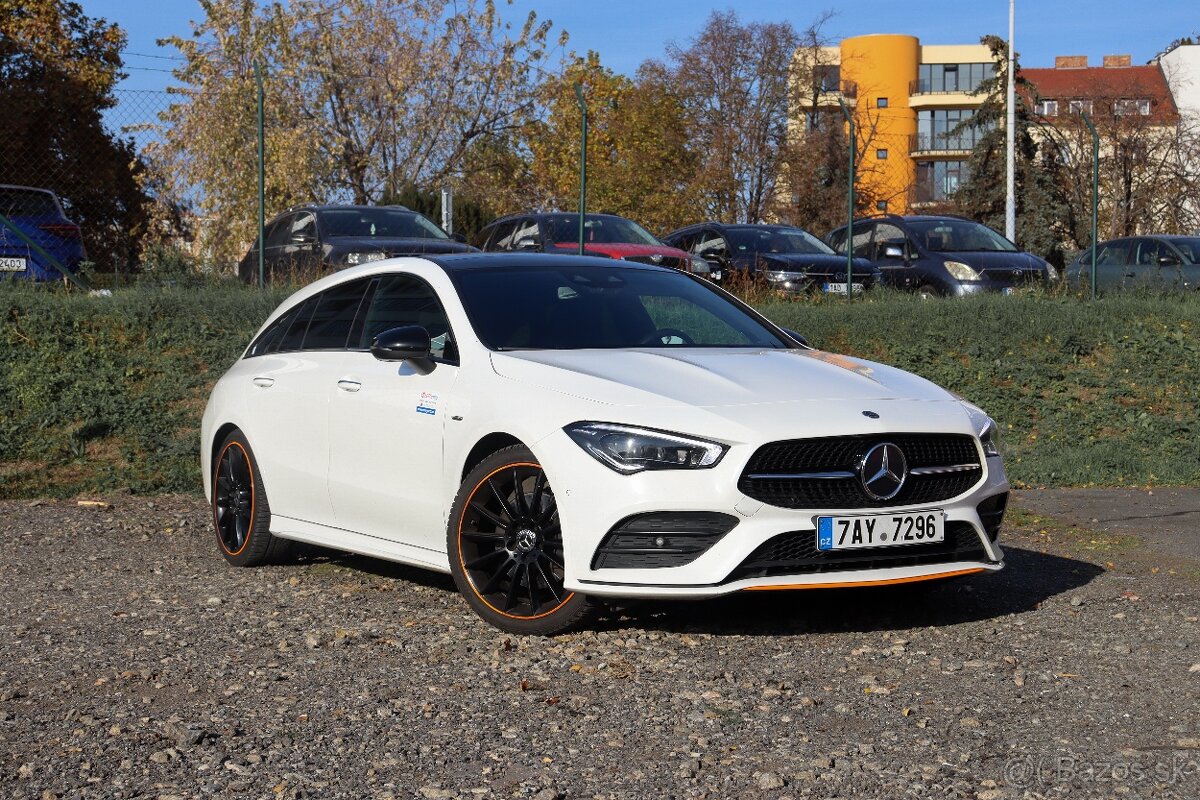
x,y
1047,108
881,205
1080,106
1130,107
881,102
938,180
881,154
942,78
828,77
947,129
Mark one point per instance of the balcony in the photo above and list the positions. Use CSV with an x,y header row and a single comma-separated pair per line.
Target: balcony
x,y
942,144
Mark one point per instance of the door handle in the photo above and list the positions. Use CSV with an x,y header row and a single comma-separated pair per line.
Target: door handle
x,y
349,386
264,383
1130,275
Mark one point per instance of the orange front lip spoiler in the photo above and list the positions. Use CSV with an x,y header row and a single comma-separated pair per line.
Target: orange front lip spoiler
x,y
852,584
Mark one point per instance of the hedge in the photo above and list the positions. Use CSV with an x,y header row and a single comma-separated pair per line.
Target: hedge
x,y
99,394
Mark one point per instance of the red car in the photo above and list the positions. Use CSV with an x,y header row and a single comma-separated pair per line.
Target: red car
x,y
603,235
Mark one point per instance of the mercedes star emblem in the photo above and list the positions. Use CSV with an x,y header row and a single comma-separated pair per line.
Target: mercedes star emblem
x,y
883,470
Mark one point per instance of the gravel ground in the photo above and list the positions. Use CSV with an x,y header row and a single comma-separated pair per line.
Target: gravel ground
x,y
135,663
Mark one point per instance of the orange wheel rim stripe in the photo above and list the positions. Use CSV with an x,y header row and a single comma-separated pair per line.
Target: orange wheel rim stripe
x,y
463,564
253,497
852,584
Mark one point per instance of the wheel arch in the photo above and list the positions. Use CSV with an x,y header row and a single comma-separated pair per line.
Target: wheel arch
x,y
214,448
489,444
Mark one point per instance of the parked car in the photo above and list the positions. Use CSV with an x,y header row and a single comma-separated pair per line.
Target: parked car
x,y
790,259
39,215
942,255
605,235
1148,262
313,240
555,430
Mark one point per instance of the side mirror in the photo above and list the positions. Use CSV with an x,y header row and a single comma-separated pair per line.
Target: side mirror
x,y
796,336
305,239
407,343
1168,261
893,251
528,243
458,237
714,255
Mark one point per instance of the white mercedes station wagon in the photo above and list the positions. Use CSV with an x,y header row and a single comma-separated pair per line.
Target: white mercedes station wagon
x,y
557,430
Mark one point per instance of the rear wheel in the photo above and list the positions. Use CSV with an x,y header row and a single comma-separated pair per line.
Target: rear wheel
x,y
241,513
505,544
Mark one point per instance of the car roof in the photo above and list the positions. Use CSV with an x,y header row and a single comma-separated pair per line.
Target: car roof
x,y
543,214
456,262
342,206
25,188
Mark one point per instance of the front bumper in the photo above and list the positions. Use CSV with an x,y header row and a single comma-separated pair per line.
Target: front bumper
x,y
592,499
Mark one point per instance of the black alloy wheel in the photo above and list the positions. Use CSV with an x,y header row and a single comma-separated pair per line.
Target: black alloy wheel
x,y
241,514
506,546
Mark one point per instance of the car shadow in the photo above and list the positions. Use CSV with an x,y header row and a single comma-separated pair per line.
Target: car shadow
x,y
1029,579
311,554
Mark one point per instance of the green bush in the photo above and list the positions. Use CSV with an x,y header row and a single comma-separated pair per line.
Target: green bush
x,y
106,393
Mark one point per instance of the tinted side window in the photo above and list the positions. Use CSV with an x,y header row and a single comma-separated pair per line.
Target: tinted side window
x,y
270,339
862,240
334,316
293,339
280,231
403,300
502,239
886,234
1113,253
837,240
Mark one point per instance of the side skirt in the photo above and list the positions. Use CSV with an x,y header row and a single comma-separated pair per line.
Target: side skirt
x,y
338,539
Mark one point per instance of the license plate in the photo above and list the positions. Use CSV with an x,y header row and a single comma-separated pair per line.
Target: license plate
x,y
1008,289
841,287
12,265
881,530
715,274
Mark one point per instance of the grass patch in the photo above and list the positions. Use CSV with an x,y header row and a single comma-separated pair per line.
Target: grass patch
x,y
105,393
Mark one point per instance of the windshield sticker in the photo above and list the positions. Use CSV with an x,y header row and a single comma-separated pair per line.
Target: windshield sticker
x,y
427,404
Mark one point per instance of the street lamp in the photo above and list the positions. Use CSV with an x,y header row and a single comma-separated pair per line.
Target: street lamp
x,y
582,159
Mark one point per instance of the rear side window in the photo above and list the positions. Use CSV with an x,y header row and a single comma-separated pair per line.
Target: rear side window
x,y
334,316
27,203
270,339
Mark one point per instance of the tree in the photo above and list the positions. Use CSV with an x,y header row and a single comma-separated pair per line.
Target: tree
x,y
733,82
815,164
1041,215
58,68
639,163
363,98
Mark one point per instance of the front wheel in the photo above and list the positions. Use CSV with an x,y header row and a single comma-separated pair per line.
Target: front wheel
x,y
505,545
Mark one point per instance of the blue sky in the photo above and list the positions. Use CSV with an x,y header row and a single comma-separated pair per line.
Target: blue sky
x,y
626,32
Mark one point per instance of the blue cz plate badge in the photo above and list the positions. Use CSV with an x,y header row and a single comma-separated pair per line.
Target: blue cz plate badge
x,y
881,530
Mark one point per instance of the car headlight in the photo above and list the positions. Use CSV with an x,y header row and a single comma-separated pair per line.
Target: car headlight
x,y
364,258
989,437
700,266
960,271
628,449
1051,273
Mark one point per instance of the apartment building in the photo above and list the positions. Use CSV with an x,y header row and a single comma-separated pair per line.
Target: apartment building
x,y
908,99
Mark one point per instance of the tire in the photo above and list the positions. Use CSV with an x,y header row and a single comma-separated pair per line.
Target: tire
x,y
241,513
504,541
928,291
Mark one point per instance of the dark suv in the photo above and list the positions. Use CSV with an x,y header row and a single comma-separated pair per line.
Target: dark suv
x,y
790,259
605,235
945,255
314,240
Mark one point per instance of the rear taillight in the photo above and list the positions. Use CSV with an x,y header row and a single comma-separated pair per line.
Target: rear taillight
x,y
63,230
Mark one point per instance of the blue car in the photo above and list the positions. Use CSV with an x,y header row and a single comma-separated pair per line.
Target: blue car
x,y
38,215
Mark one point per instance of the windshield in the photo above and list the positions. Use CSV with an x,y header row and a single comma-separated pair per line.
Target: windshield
x,y
393,223
958,235
776,240
600,229
581,307
1190,249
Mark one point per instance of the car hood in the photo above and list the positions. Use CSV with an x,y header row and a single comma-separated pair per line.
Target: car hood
x,y
821,262
708,378
994,261
396,246
622,249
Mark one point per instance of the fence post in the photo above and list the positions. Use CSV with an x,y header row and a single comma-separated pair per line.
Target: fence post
x,y
262,192
849,203
1095,193
583,125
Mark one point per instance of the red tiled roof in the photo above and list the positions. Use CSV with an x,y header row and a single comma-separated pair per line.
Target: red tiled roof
x,y
1106,83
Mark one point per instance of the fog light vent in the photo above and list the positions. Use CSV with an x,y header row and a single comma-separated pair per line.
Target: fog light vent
x,y
661,539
